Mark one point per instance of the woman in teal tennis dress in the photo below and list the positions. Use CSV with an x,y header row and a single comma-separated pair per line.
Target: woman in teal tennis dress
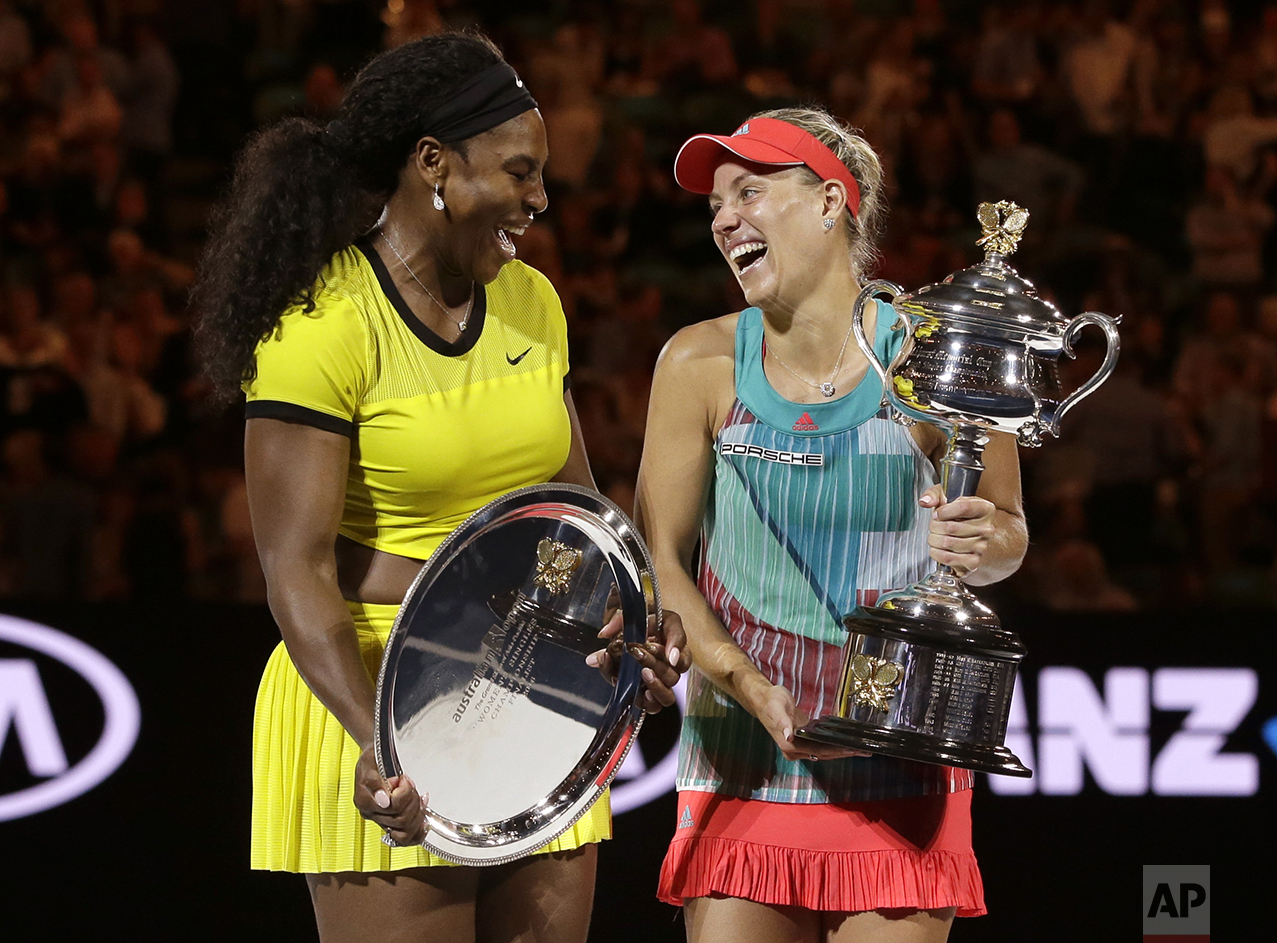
x,y
767,446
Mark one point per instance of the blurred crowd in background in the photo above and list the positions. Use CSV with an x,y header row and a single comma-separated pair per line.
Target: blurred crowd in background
x,y
1142,137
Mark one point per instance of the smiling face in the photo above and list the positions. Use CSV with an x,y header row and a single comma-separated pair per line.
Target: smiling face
x,y
492,192
768,223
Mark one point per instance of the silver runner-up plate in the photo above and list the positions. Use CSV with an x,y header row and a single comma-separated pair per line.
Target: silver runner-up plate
x,y
484,698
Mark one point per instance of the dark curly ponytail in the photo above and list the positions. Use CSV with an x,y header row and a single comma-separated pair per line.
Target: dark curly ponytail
x,y
301,192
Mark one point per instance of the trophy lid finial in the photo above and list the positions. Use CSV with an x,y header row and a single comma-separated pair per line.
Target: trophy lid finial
x,y
991,290
1003,223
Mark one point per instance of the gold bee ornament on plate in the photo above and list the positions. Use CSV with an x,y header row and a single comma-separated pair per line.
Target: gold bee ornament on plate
x,y
555,564
875,680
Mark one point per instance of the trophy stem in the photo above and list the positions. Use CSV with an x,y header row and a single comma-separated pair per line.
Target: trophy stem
x,y
961,467
960,472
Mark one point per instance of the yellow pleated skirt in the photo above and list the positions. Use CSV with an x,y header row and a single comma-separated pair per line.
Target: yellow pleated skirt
x,y
304,817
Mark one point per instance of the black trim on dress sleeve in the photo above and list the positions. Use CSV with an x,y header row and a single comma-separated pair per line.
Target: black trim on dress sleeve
x,y
291,412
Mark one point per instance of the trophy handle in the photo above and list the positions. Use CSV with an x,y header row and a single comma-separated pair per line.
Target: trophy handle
x,y
1109,327
858,325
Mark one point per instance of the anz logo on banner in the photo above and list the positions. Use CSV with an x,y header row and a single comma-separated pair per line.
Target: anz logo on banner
x,y
54,748
1106,730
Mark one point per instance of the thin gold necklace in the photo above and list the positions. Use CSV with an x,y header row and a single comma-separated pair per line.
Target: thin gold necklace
x,y
827,388
469,304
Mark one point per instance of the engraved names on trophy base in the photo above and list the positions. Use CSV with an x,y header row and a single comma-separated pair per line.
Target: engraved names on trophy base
x,y
969,695
944,706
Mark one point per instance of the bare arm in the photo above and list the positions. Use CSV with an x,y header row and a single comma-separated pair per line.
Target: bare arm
x,y
296,478
296,488
576,470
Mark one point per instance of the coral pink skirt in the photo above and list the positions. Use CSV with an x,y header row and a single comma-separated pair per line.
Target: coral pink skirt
x,y
895,853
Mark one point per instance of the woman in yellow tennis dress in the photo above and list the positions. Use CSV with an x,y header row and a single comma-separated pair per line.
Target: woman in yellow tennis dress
x,y
396,382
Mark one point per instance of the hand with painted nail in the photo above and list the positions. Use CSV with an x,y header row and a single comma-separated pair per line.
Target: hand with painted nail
x,y
960,529
663,656
393,803
607,659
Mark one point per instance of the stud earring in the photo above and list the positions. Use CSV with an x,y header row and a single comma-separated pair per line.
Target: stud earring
x,y
829,224
438,200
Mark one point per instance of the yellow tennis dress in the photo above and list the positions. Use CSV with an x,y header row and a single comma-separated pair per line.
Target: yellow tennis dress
x,y
438,429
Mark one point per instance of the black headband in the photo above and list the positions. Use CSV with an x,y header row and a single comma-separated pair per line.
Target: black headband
x,y
484,101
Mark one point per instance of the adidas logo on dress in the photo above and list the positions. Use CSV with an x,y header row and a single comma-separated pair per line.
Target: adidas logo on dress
x,y
805,424
685,820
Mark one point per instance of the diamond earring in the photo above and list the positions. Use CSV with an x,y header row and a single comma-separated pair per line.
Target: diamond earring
x,y
829,224
438,200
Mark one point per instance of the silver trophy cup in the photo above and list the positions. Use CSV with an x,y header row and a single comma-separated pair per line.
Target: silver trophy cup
x,y
929,670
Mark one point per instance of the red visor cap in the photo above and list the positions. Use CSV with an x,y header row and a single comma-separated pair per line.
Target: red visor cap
x,y
761,141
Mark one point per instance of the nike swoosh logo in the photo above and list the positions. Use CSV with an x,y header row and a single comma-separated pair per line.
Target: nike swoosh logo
x,y
514,360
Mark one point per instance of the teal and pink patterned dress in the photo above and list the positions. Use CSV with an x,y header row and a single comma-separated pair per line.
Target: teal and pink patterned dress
x,y
814,510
